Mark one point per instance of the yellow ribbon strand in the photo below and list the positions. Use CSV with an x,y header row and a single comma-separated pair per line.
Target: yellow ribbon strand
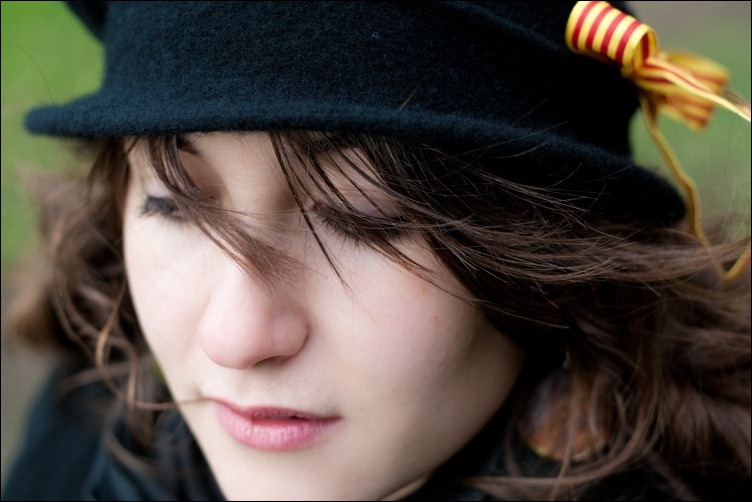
x,y
683,86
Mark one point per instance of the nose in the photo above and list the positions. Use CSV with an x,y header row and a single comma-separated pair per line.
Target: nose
x,y
245,322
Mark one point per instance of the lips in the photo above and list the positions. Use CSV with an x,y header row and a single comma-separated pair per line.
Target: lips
x,y
271,428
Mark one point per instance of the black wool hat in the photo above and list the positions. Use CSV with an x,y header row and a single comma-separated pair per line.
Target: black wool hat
x,y
496,77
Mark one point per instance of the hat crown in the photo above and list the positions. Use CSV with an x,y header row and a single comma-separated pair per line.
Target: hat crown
x,y
495,76
468,61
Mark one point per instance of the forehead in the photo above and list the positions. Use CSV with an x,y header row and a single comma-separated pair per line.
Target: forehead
x,y
314,161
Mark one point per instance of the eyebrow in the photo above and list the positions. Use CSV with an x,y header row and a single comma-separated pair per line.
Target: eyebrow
x,y
330,141
185,144
324,142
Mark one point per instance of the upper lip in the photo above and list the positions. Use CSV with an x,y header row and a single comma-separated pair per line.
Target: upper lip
x,y
272,412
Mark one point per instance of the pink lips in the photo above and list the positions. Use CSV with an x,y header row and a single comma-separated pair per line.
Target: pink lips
x,y
275,429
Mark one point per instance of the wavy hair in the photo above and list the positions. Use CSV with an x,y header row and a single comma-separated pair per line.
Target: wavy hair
x,y
639,354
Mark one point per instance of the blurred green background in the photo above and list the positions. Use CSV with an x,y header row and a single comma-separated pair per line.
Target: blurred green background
x,y
48,58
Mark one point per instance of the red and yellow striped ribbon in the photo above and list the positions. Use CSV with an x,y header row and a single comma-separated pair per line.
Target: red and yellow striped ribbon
x,y
684,86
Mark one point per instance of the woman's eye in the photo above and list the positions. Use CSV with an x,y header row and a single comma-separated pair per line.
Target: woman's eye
x,y
360,228
161,206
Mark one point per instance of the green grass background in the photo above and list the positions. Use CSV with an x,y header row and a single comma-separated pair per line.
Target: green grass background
x,y
47,57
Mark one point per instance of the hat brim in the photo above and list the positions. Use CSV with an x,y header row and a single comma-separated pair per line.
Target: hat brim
x,y
602,180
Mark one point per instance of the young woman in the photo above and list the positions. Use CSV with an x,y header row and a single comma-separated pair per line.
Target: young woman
x,y
379,251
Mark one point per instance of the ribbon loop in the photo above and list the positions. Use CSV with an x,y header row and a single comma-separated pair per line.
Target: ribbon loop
x,y
684,86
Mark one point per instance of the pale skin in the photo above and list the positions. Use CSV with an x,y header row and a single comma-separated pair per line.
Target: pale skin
x,y
411,371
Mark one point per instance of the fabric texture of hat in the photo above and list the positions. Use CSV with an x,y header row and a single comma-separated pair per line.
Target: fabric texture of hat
x,y
492,76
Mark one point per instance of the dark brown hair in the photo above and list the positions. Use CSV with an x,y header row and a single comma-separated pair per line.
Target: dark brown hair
x,y
639,354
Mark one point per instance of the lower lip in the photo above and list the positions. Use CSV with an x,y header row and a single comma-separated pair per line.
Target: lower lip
x,y
275,434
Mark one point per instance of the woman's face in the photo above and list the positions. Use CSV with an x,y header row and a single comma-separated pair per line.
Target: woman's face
x,y
311,388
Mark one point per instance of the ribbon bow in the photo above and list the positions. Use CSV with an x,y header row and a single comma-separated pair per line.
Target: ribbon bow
x,y
684,86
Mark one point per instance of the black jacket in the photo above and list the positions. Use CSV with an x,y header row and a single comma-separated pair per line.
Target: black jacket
x,y
65,454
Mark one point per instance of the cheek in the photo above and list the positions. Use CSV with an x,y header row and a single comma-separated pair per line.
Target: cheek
x,y
415,341
165,282
425,365
419,325
404,317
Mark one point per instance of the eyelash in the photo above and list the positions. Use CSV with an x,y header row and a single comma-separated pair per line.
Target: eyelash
x,y
391,228
166,208
161,206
